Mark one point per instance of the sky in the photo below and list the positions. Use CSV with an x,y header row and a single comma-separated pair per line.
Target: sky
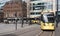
x,y
3,2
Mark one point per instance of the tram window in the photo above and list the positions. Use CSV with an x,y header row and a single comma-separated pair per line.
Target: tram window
x,y
50,19
42,18
51,14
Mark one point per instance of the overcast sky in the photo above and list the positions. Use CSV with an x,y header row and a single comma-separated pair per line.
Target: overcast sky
x,y
3,2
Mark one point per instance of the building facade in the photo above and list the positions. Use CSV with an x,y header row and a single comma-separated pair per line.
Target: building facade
x,y
15,9
36,7
1,14
28,6
50,5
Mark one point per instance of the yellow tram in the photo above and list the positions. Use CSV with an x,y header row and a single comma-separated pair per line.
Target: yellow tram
x,y
47,22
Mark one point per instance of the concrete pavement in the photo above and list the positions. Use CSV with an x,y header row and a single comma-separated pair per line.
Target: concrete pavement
x,y
31,30
27,31
10,27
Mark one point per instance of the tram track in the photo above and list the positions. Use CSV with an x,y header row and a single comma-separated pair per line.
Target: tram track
x,y
46,33
40,33
52,34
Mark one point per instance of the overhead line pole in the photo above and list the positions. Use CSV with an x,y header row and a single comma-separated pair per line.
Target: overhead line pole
x,y
57,5
56,13
22,14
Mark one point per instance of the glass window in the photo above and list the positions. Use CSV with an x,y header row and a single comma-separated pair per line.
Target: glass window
x,y
52,14
50,19
36,13
33,0
50,6
58,13
38,7
30,8
38,4
7,14
7,3
59,6
32,13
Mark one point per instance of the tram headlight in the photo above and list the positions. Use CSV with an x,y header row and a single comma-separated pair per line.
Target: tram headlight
x,y
44,24
52,24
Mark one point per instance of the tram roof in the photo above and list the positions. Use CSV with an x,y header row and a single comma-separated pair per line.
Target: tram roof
x,y
49,14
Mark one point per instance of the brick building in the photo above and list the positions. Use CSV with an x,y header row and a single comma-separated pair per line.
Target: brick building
x,y
1,14
13,8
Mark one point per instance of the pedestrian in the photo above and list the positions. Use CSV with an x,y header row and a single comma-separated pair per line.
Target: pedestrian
x,y
57,20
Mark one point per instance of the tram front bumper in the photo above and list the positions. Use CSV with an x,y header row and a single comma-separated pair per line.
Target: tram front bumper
x,y
48,28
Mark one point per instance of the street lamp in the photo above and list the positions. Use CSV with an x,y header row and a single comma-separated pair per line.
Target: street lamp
x,y
16,20
57,5
22,13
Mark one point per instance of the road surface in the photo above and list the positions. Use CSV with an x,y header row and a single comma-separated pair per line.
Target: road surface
x,y
34,31
57,31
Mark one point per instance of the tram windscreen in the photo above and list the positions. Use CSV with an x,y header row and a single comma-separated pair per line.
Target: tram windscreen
x,y
49,19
